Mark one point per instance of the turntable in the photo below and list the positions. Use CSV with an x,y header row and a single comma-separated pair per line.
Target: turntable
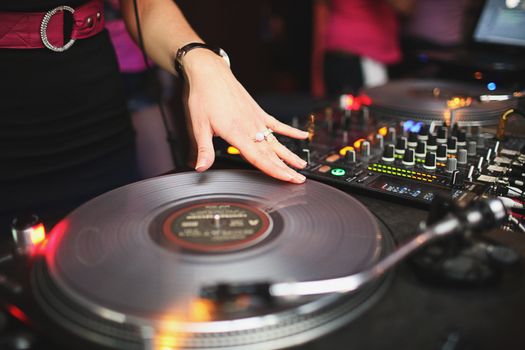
x,y
126,270
434,101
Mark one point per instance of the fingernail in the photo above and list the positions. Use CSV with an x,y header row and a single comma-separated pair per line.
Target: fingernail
x,y
200,165
299,178
303,163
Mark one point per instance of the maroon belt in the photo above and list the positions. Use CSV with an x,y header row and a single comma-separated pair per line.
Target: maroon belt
x,y
36,30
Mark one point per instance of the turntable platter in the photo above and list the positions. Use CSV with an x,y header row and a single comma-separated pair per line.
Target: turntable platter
x,y
133,260
429,100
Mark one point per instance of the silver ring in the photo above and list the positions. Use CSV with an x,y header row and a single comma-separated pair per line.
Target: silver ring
x,y
263,135
45,23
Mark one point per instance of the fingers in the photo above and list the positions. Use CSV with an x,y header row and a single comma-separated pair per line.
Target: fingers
x,y
285,154
284,129
205,152
266,160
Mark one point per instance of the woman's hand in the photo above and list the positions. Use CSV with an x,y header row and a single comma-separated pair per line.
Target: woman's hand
x,y
219,105
217,102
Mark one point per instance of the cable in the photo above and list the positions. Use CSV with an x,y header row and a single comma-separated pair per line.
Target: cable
x,y
517,223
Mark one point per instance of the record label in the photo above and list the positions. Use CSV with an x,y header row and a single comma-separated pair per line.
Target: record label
x,y
217,226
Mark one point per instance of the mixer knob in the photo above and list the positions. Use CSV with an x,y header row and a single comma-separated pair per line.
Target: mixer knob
x,y
462,156
455,130
456,179
380,142
412,139
306,155
441,135
365,149
489,155
481,142
462,139
476,131
452,145
432,143
496,148
441,154
421,149
470,174
388,154
452,165
472,148
391,135
430,161
481,160
424,132
408,158
401,145
345,137
350,156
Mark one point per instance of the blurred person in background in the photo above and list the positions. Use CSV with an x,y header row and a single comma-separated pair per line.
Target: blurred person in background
x,y
435,24
354,42
432,36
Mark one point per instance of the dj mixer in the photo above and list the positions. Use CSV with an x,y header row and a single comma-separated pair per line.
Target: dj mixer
x,y
453,149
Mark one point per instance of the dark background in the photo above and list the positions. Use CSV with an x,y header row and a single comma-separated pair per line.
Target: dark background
x,y
268,41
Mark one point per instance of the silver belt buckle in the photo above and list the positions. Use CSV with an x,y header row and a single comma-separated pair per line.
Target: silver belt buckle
x,y
45,23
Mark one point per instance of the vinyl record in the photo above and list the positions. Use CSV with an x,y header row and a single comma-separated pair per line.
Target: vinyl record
x,y
431,101
131,263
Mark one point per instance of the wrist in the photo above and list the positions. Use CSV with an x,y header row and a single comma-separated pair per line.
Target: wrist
x,y
199,56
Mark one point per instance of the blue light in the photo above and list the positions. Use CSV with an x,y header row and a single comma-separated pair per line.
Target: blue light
x,y
491,86
416,127
408,124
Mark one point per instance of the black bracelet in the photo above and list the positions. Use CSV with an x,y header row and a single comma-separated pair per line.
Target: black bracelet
x,y
188,47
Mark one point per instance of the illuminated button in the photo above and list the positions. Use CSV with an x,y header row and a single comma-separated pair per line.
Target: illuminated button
x,y
338,172
357,143
333,158
232,150
383,131
345,149
324,169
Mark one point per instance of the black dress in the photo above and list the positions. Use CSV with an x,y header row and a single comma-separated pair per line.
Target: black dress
x,y
65,132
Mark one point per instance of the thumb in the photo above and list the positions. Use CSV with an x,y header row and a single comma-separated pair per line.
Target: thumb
x,y
205,152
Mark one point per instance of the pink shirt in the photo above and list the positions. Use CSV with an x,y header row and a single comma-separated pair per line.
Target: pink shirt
x,y
365,28
129,55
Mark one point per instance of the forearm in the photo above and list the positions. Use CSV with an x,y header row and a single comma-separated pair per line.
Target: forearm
x,y
163,26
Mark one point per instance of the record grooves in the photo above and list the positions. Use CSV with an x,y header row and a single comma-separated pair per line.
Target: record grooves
x,y
147,290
